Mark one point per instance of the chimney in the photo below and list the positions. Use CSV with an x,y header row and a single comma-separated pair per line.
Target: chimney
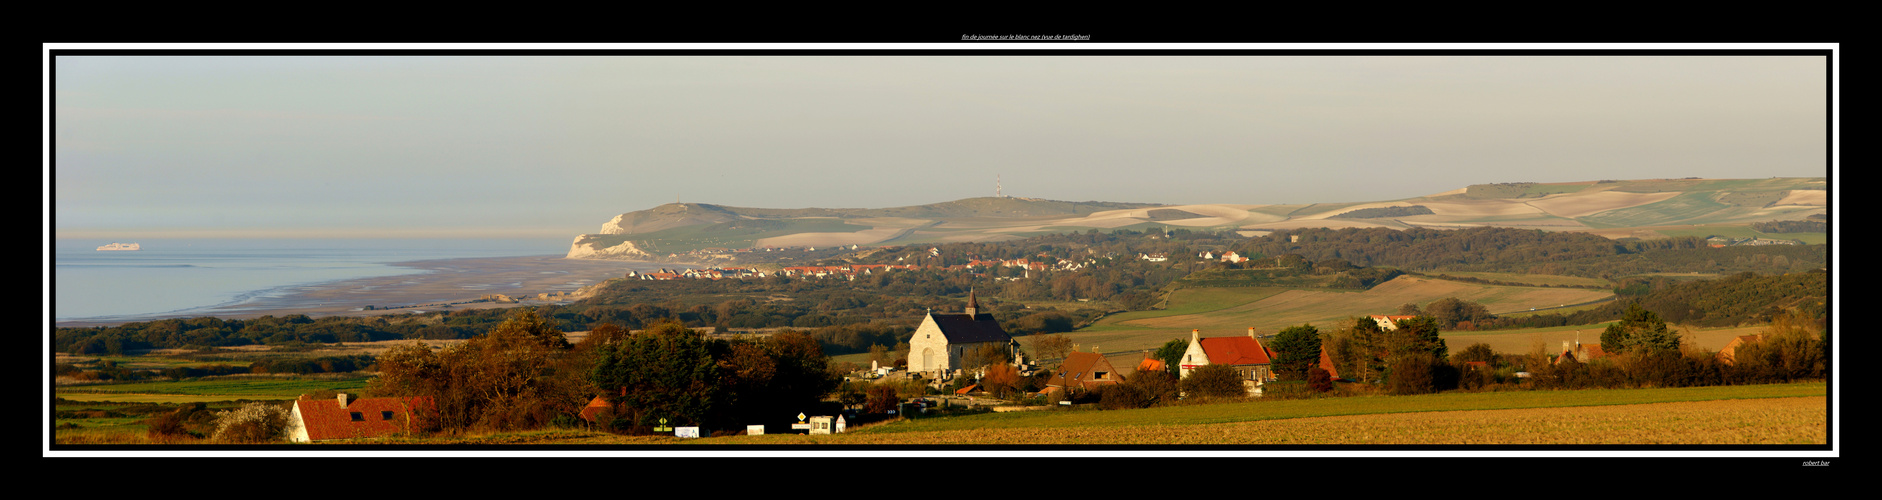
x,y
1251,332
1195,336
342,400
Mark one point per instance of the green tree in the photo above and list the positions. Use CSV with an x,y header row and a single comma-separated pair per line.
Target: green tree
x,y
1476,352
666,371
1298,348
1638,330
1171,354
1418,334
515,377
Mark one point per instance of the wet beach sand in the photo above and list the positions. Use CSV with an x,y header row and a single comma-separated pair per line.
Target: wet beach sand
x,y
446,281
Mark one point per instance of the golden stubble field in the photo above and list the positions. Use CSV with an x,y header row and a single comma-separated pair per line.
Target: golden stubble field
x,y
1800,420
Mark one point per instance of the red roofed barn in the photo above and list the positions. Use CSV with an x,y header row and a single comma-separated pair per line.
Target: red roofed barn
x,y
347,418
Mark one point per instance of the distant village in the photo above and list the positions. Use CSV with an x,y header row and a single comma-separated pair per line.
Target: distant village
x,y
1043,262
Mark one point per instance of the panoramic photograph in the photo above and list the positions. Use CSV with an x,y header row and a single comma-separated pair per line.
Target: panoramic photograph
x,y
1228,253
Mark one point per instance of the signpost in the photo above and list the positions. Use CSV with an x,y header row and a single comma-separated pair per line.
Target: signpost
x,y
663,426
754,430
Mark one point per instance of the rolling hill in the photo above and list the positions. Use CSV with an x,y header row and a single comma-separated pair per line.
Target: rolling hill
x,y
1651,208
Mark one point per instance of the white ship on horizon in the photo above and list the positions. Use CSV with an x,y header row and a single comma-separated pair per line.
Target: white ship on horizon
x,y
114,247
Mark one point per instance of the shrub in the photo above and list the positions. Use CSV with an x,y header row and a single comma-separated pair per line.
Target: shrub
x,y
1214,381
252,423
1122,397
1319,380
882,398
1410,374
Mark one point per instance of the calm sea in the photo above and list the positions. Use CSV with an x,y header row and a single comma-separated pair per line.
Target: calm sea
x,y
175,275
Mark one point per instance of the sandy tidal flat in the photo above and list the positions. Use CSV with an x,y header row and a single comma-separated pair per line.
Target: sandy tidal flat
x,y
447,281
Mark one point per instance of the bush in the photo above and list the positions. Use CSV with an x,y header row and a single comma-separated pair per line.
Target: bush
x,y
1122,397
1419,373
1319,380
1213,381
882,398
252,423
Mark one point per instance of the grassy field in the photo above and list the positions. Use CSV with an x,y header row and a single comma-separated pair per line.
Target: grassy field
x,y
1231,311
210,389
1741,232
1530,279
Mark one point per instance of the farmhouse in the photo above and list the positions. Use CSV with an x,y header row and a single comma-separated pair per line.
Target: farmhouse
x,y
1245,354
1389,323
1581,352
347,417
1084,371
1729,354
943,342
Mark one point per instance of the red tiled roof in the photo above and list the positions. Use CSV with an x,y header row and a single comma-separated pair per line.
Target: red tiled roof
x,y
1080,368
325,419
1326,363
594,408
1235,351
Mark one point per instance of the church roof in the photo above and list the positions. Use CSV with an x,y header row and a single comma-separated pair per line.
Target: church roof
x,y
963,329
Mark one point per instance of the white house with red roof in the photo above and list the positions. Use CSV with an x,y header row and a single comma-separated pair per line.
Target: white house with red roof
x,y
1245,354
1389,323
350,418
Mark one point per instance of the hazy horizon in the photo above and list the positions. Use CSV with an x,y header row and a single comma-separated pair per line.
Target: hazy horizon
x,y
481,146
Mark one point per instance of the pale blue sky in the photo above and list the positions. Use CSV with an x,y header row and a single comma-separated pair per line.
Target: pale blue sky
x,y
469,145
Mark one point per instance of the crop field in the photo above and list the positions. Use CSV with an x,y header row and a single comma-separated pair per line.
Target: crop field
x,y
1327,308
1741,232
1188,301
1531,279
1761,414
1523,340
214,389
1685,208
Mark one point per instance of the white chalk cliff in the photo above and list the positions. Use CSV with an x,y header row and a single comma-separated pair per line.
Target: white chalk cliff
x,y
589,246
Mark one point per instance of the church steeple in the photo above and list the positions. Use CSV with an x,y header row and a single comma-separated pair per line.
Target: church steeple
x,y
973,305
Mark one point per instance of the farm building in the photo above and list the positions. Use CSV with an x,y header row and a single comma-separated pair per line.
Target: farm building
x,y
1084,371
943,341
1389,323
1729,354
1581,352
1245,354
346,417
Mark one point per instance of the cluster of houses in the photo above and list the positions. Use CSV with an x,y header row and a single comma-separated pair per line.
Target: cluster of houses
x,y
1721,241
708,273
853,271
940,348
1229,257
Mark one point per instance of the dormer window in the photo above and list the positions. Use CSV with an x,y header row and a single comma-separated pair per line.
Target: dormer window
x,y
385,415
359,417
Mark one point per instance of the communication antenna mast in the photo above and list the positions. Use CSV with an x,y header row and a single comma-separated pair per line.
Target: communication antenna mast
x,y
996,187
